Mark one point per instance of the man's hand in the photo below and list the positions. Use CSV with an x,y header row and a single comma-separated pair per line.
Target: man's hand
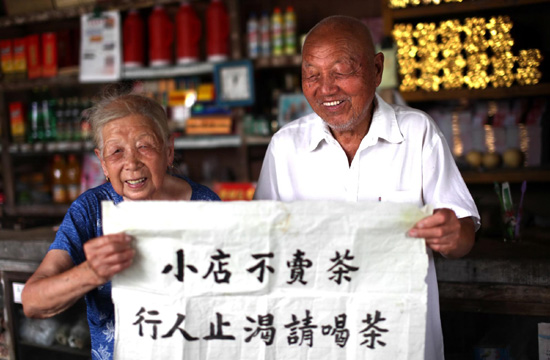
x,y
108,255
445,233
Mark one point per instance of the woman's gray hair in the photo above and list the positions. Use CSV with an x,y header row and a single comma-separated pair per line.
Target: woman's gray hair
x,y
116,103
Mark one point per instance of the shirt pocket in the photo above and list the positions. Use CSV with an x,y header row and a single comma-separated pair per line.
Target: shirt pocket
x,y
402,196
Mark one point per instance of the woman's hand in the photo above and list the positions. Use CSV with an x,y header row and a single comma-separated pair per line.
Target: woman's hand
x,y
108,255
445,233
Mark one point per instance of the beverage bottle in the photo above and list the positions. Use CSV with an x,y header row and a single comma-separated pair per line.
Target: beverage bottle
x,y
161,37
68,117
75,119
217,31
277,32
72,178
36,120
290,31
133,37
85,128
252,29
188,34
265,35
50,121
59,190
60,116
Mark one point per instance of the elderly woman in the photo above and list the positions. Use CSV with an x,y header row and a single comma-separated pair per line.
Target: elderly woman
x,y
134,145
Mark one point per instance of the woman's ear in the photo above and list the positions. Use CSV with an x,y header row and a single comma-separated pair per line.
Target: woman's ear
x,y
170,150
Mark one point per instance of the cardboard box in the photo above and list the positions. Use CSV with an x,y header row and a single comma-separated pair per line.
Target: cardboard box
x,y
19,56
17,122
34,56
6,56
49,54
18,7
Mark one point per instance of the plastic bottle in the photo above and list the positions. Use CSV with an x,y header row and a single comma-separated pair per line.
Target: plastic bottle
x,y
59,189
133,36
217,31
36,119
161,37
253,35
265,34
75,119
73,178
290,31
277,32
188,34
50,121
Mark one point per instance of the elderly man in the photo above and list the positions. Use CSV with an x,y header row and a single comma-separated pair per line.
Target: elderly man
x,y
356,147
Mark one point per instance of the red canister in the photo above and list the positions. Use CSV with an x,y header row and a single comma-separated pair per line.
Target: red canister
x,y
188,34
133,32
161,37
217,31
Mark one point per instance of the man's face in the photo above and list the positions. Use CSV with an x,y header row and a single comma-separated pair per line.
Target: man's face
x,y
339,79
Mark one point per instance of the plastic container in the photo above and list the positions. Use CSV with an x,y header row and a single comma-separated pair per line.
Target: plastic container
x,y
58,178
161,37
217,31
277,32
188,34
133,37
73,178
290,31
253,36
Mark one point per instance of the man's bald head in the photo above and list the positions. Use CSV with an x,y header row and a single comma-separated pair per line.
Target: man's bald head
x,y
348,28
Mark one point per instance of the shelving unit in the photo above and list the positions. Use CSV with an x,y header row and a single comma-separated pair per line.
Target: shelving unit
x,y
498,279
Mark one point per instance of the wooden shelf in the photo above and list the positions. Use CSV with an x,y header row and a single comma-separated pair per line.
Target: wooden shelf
x,y
467,6
48,210
510,175
489,93
76,11
495,298
270,62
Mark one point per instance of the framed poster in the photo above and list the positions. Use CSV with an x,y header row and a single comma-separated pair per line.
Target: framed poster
x,y
234,83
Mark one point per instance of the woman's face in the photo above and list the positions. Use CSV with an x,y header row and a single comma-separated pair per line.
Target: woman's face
x,y
134,158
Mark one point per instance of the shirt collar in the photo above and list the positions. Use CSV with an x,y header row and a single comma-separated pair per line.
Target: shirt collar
x,y
383,125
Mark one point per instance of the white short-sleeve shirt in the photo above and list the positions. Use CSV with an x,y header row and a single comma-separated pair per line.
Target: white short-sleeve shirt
x,y
403,158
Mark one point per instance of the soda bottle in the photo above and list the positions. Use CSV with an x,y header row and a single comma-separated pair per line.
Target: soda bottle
x,y
188,34
50,121
36,119
265,35
73,178
75,119
217,31
85,128
59,190
290,31
60,116
161,36
133,37
277,32
252,28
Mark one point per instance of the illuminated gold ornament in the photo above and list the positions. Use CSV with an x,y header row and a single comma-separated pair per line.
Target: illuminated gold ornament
x,y
451,55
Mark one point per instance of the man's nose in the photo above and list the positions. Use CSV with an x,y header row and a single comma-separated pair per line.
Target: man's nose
x,y
327,84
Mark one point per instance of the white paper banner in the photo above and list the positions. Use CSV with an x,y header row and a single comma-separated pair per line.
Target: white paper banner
x,y
270,280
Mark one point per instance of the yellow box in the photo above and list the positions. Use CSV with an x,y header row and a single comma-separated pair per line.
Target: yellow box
x,y
71,3
18,7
